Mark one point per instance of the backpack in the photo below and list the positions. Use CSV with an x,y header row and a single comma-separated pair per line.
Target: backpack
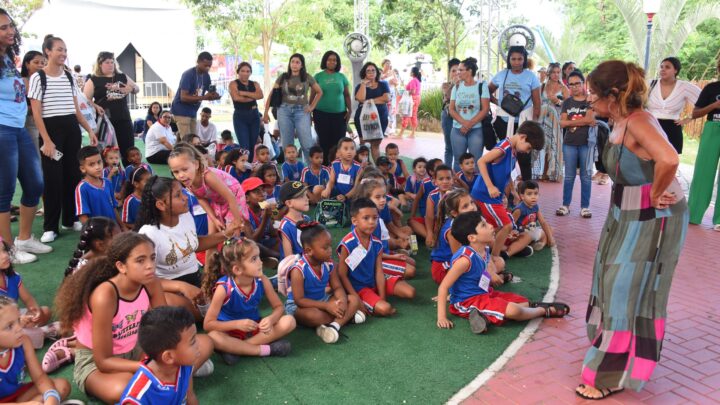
x,y
282,275
331,213
43,81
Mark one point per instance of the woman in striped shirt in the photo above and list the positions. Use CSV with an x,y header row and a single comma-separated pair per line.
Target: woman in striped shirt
x,y
56,113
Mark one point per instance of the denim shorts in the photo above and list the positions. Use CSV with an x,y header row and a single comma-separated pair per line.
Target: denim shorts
x,y
291,307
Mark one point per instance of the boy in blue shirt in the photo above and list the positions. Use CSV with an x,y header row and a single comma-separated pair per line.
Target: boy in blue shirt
x,y
344,173
471,277
467,175
291,168
315,176
168,337
360,263
495,169
134,158
94,196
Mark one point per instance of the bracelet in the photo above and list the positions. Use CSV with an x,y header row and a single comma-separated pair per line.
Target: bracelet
x,y
51,393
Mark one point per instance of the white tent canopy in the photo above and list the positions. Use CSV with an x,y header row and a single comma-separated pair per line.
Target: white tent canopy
x,y
163,32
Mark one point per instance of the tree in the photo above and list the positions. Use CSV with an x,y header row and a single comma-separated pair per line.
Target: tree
x,y
448,15
21,10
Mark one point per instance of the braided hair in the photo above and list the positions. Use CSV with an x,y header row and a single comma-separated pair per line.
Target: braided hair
x,y
95,229
155,189
221,262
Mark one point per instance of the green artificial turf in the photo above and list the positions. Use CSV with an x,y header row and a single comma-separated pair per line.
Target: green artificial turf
x,y
405,358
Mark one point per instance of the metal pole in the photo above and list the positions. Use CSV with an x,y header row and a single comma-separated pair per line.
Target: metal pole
x,y
647,41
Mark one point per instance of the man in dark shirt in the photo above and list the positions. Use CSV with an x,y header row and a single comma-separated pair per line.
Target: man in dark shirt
x,y
194,88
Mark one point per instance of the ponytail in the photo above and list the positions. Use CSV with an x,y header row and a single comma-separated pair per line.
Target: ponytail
x,y
220,263
97,228
129,185
623,80
448,204
156,188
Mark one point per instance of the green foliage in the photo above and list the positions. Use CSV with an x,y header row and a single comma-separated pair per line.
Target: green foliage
x,y
431,104
700,52
21,10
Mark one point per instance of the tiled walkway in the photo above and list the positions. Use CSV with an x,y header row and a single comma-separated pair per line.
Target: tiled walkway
x,y
547,368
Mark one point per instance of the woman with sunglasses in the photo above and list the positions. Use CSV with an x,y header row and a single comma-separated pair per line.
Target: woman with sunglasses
x,y
108,88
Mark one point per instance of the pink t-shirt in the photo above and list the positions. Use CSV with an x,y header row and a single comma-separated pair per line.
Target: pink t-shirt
x,y
125,323
413,87
218,203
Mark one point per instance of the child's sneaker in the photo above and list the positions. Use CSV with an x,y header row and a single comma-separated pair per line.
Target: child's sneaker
x,y
478,322
359,317
527,251
206,369
280,348
328,333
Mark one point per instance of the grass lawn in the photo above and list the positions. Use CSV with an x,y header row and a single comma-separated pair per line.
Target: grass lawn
x,y
405,358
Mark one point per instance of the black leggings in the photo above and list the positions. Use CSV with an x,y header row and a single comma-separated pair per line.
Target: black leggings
x,y
330,128
674,133
159,158
524,160
125,137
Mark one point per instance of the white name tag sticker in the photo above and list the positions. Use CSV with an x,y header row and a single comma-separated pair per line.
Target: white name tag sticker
x,y
344,178
484,282
198,210
355,257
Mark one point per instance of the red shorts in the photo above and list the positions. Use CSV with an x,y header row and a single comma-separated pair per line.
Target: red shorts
x,y
394,267
493,305
438,270
369,296
243,335
14,396
495,214
400,180
419,220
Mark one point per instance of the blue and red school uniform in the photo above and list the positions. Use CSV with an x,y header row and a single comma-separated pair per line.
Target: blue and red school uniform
x,y
117,180
146,388
240,305
95,201
13,375
288,229
473,289
292,171
314,280
313,179
344,178
398,172
464,178
255,221
130,168
441,255
413,184
12,286
493,209
239,176
130,208
428,187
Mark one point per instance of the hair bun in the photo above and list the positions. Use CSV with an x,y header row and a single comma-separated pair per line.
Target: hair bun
x,y
471,59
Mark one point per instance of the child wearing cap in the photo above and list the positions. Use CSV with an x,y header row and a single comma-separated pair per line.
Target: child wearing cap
x,y
294,196
259,225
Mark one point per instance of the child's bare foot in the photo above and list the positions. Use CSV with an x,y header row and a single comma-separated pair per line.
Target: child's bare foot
x,y
592,393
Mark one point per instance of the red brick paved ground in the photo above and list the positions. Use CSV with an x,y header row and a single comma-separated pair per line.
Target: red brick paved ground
x,y
547,367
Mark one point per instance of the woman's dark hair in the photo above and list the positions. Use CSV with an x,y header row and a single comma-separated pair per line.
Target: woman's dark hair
x,y
323,61
29,56
564,67
249,66
48,43
149,112
471,63
415,72
14,49
303,70
675,62
309,230
623,80
155,189
363,71
135,176
96,228
73,298
9,271
517,49
453,62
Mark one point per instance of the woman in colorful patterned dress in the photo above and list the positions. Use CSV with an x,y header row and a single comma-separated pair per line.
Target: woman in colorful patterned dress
x,y
640,243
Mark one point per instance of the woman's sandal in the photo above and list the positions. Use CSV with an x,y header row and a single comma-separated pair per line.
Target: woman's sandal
x,y
562,211
604,393
561,309
506,276
51,362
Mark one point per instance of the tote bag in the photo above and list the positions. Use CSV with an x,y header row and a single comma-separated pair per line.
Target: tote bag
x,y
406,104
370,122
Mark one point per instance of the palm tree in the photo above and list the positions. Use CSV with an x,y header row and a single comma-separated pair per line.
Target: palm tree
x,y
671,26
565,48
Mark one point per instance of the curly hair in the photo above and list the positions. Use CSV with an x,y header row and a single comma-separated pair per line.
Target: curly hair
x,y
221,262
73,297
13,50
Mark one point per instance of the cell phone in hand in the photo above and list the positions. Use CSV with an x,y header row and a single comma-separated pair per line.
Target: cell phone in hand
x,y
212,88
58,155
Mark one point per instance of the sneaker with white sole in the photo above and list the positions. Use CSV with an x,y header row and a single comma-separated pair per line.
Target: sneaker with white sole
x,y
206,369
359,317
327,333
478,322
48,237
20,257
76,226
716,227
32,245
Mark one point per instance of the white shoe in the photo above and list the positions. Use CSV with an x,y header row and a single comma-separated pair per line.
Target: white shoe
x,y
77,226
359,317
206,369
48,237
716,227
327,333
32,245
20,257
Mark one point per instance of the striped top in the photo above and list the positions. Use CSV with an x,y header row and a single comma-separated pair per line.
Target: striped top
x,y
58,99
146,388
671,107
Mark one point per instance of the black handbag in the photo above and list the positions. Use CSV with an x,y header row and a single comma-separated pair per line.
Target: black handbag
x,y
276,97
512,103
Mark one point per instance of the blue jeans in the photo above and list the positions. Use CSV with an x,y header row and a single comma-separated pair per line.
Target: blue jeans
x,y
446,122
471,142
574,156
293,120
20,161
247,129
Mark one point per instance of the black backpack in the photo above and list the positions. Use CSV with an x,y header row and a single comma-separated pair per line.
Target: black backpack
x,y
43,81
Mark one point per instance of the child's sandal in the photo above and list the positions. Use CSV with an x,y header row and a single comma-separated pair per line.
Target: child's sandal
x,y
51,362
561,309
507,277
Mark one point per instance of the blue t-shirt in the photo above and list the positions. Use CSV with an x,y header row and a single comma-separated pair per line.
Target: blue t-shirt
x,y
528,215
381,89
363,275
13,102
95,201
196,84
256,220
313,283
463,177
442,252
130,208
12,287
198,213
413,184
521,85
117,180
475,281
315,179
237,304
344,179
146,389
499,174
428,187
288,230
239,176
292,172
13,376
467,101
435,196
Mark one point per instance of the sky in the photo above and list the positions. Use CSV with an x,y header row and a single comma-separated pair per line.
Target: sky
x,y
545,13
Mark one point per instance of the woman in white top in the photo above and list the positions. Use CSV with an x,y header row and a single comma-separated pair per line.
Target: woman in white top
x,y
55,110
159,140
667,99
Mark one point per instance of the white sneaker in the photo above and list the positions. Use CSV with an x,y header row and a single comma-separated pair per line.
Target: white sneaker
x,y
359,317
327,333
77,227
48,237
32,245
206,369
20,257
